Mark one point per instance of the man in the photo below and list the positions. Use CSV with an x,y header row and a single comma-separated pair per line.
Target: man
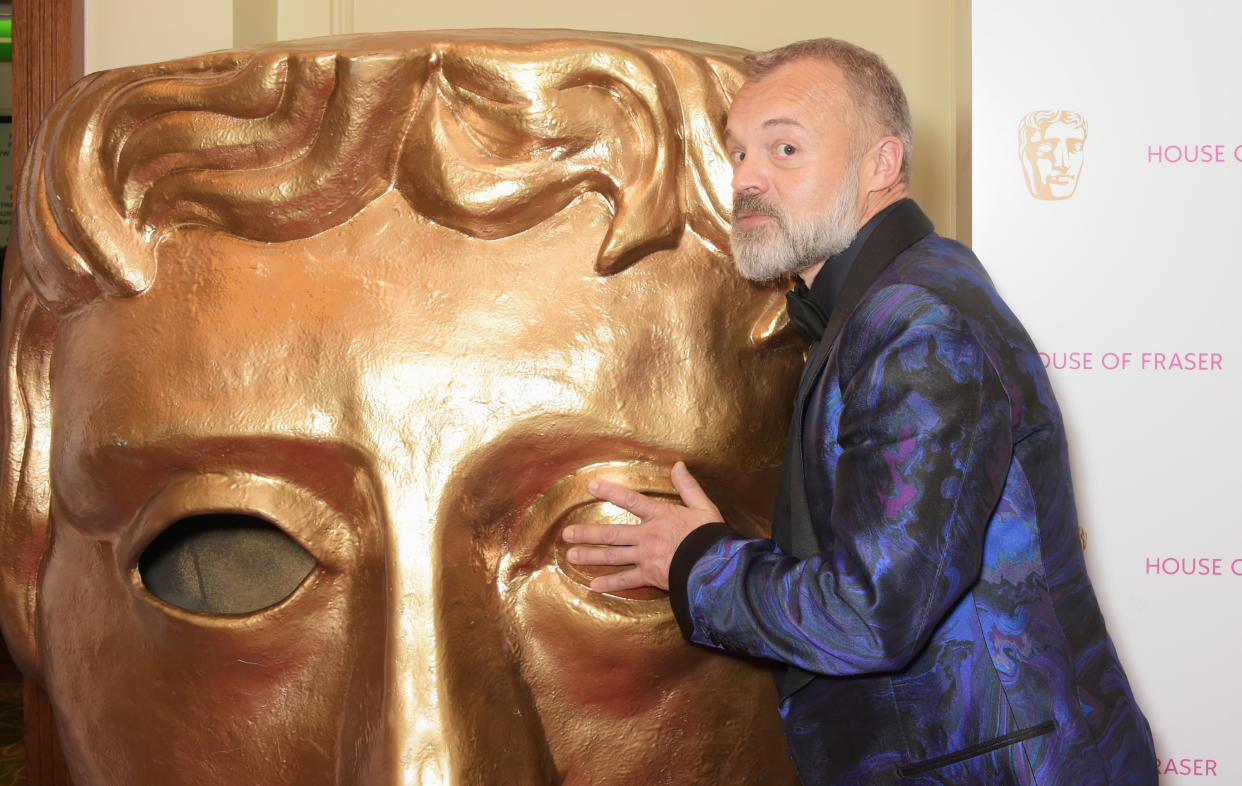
x,y
1050,145
311,352
925,600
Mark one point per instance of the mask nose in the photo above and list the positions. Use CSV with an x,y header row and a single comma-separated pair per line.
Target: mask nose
x,y
456,709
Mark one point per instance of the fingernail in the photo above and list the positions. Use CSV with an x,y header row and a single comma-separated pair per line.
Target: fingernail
x,y
593,487
573,555
568,533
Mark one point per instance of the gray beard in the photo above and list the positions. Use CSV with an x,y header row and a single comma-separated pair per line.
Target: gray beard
x,y
774,249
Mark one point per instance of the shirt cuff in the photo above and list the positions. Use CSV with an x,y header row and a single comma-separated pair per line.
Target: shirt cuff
x,y
689,551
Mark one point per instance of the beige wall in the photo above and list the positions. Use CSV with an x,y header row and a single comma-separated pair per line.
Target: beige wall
x,y
127,32
927,42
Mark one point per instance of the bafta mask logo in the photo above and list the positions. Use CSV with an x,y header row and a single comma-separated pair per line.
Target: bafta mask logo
x,y
1050,146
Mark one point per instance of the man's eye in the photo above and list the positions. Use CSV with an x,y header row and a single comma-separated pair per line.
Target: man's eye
x,y
786,149
224,563
737,156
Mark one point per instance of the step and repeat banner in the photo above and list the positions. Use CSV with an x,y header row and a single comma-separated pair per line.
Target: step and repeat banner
x,y
1107,160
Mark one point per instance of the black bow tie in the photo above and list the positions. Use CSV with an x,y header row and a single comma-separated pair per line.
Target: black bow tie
x,y
804,312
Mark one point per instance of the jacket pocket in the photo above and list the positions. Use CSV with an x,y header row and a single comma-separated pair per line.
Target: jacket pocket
x,y
921,767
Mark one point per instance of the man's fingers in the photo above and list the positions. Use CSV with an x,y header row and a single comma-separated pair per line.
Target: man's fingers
x,y
601,555
601,534
625,498
620,581
690,491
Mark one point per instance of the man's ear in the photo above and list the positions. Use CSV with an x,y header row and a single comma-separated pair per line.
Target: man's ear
x,y
882,165
25,481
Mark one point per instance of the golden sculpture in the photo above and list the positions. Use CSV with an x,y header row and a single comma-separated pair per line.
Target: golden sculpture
x,y
310,353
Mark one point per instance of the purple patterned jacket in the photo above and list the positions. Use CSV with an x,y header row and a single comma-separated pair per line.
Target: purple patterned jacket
x,y
924,595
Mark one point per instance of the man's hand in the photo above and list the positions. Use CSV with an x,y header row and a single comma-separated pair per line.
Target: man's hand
x,y
649,545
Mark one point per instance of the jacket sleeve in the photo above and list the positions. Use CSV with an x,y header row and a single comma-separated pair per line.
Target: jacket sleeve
x,y
917,467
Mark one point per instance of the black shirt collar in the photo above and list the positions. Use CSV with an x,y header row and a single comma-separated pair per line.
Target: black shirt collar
x,y
826,287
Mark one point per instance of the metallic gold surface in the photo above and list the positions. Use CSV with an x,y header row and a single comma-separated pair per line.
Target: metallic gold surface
x,y
394,300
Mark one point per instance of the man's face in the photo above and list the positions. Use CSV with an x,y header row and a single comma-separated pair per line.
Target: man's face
x,y
420,412
795,176
1052,160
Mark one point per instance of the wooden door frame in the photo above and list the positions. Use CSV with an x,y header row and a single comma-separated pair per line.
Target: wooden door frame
x,y
47,58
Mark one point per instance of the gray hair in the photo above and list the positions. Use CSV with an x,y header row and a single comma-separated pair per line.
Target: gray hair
x,y
874,89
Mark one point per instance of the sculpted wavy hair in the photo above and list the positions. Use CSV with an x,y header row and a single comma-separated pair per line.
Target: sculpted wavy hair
x,y
487,136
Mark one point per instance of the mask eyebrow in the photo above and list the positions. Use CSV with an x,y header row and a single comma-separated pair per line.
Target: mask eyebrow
x,y
126,472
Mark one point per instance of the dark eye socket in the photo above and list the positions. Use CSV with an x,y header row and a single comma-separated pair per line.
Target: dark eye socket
x,y
224,563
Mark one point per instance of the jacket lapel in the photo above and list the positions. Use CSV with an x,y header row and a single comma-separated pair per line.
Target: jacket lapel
x,y
900,229
792,526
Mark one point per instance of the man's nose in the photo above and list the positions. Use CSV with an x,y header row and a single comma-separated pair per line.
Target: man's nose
x,y
749,176
456,710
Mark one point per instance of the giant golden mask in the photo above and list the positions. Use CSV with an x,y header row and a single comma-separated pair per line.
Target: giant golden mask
x,y
284,507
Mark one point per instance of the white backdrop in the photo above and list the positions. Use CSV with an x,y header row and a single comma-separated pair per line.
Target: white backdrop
x,y
1131,289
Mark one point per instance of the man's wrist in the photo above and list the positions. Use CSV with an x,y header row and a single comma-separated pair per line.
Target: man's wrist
x,y
690,551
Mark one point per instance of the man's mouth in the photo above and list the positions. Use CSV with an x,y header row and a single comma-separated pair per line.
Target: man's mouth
x,y
750,211
750,220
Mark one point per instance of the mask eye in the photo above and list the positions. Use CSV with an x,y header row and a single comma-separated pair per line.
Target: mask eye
x,y
537,558
224,563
